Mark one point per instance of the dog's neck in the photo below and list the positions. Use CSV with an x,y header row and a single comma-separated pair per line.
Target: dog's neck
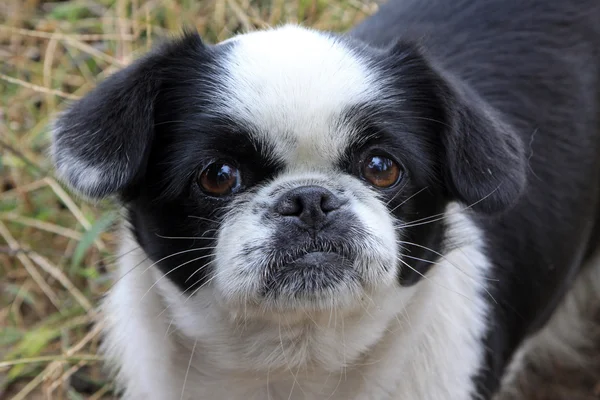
x,y
247,343
385,348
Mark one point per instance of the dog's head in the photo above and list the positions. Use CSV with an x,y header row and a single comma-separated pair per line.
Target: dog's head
x,y
288,169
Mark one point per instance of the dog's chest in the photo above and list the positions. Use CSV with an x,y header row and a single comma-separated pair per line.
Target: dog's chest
x,y
294,385
399,367
340,358
377,381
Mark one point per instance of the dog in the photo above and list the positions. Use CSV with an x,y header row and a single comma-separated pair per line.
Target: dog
x,y
395,212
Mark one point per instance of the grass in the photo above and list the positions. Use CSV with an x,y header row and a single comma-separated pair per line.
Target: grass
x,y
55,250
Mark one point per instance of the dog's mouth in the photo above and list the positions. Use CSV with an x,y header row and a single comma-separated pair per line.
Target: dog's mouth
x,y
317,258
317,262
309,271
313,250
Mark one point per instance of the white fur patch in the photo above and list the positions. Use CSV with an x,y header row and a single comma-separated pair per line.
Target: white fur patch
x,y
417,343
291,84
85,179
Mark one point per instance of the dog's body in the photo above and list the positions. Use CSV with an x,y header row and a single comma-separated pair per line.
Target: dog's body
x,y
395,220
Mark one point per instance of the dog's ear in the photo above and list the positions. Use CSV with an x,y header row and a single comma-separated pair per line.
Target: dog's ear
x,y
483,163
484,156
100,144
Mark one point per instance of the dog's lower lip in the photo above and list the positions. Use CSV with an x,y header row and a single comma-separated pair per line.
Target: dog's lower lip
x,y
317,258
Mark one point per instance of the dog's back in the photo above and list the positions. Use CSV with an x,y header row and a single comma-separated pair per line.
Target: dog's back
x,y
537,62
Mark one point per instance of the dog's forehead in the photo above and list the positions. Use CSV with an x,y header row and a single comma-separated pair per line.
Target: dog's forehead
x,y
293,86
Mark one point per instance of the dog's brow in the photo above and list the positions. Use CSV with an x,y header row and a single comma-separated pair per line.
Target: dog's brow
x,y
244,140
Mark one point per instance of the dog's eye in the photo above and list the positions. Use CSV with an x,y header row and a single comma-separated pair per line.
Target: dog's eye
x,y
219,179
381,171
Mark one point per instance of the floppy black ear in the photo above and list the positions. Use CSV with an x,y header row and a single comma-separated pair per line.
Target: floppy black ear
x,y
484,156
483,164
101,143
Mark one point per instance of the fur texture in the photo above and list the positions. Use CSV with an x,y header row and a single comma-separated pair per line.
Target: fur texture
x,y
381,350
562,359
403,206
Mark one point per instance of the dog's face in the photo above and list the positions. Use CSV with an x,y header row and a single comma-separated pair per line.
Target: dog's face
x,y
288,169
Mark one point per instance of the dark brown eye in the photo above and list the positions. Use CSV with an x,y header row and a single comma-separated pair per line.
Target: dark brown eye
x,y
381,171
219,179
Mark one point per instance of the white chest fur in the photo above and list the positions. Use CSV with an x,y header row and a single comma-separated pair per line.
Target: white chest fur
x,y
416,343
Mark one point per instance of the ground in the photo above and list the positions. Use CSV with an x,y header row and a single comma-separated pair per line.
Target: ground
x,y
55,249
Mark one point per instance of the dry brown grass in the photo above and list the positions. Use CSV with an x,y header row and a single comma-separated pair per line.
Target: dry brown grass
x,y
55,250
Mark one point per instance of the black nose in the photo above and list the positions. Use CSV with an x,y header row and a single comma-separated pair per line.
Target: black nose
x,y
310,204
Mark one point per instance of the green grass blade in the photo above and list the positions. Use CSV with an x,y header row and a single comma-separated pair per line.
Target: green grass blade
x,y
102,224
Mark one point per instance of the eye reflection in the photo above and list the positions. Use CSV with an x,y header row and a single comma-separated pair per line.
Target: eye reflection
x,y
381,171
219,179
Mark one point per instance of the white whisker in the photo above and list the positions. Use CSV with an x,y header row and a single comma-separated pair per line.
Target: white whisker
x,y
468,276
204,219
186,237
435,283
188,369
407,199
173,270
443,215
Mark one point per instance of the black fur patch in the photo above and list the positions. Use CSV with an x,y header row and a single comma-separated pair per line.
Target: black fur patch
x,y
536,64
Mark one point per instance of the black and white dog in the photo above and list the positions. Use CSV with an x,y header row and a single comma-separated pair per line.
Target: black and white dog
x,y
392,213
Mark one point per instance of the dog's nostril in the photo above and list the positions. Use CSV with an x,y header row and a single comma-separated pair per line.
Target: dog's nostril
x,y
309,203
330,202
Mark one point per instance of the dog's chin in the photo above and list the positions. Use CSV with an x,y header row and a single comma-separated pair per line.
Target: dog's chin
x,y
312,282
